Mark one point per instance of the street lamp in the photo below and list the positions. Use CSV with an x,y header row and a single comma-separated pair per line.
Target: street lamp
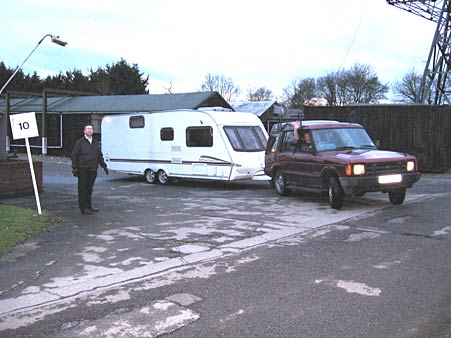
x,y
4,147
55,39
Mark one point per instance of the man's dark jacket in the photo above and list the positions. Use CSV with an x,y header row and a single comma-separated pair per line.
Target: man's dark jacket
x,y
87,155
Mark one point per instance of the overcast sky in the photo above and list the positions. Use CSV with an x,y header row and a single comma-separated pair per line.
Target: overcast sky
x,y
257,43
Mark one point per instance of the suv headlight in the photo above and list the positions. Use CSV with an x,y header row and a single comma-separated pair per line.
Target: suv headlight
x,y
358,169
410,166
355,169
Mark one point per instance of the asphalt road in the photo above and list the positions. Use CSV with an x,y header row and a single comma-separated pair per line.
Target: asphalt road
x,y
198,259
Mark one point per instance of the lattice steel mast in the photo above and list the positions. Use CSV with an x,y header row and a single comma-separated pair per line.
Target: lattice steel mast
x,y
435,87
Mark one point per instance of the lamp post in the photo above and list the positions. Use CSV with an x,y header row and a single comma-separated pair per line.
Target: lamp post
x,y
55,39
3,129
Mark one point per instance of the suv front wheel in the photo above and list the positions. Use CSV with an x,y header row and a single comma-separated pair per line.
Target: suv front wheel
x,y
336,194
397,196
280,184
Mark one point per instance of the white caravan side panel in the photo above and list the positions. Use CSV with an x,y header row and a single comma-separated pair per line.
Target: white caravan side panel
x,y
127,146
177,158
135,150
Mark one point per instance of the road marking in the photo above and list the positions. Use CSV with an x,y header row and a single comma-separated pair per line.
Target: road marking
x,y
184,299
161,317
360,288
352,287
386,265
362,236
444,231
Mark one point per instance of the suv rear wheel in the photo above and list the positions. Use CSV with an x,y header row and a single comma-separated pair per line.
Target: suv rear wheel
x,y
397,196
279,184
336,194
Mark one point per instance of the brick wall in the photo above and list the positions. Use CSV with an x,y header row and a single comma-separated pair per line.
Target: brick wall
x,y
15,177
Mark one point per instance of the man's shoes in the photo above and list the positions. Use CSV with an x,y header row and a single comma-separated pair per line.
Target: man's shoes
x,y
86,211
93,209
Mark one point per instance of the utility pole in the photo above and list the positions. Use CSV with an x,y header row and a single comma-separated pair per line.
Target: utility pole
x,y
435,87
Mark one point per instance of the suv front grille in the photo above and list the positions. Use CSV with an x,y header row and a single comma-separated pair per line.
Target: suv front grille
x,y
376,169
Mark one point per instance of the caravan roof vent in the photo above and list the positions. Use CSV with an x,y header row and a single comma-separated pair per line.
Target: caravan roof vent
x,y
214,109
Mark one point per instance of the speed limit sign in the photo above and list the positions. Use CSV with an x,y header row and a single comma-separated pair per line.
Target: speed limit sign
x,y
24,125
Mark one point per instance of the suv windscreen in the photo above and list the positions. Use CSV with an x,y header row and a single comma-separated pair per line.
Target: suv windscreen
x,y
341,139
246,138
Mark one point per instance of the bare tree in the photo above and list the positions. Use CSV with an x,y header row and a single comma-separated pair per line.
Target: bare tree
x,y
300,92
327,87
169,89
359,84
261,94
409,87
342,88
363,85
222,85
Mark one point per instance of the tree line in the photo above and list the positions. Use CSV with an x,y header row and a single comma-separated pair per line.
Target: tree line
x,y
119,78
358,84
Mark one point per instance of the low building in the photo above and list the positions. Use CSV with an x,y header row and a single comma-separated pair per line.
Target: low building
x,y
61,118
269,112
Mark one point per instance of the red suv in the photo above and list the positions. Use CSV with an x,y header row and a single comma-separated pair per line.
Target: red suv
x,y
338,158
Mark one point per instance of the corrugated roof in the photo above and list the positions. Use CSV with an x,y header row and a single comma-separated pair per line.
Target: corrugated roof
x,y
117,103
255,107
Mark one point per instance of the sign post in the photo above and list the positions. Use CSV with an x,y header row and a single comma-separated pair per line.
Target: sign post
x,y
25,126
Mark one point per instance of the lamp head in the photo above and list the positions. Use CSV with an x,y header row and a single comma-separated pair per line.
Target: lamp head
x,y
56,39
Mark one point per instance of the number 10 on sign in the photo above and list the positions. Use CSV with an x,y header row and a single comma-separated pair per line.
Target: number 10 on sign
x,y
25,126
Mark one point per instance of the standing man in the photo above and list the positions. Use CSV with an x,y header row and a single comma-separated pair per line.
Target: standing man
x,y
86,158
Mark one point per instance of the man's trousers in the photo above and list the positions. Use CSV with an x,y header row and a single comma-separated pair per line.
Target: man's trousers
x,y
86,179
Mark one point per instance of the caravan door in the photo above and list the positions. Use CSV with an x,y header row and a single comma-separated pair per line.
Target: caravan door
x,y
211,158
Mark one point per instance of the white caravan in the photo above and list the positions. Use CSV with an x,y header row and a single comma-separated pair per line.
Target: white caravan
x,y
201,144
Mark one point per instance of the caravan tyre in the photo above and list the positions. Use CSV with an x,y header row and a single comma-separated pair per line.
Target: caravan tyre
x,y
150,176
163,177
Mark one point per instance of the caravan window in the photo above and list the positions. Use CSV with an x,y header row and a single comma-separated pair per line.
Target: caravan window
x,y
246,138
167,134
136,121
199,136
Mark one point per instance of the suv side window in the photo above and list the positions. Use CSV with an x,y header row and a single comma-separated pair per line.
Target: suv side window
x,y
287,138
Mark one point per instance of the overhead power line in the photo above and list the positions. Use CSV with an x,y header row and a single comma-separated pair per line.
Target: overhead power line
x,y
355,35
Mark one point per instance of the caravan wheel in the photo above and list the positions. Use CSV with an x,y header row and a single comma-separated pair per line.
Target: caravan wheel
x,y
150,176
163,177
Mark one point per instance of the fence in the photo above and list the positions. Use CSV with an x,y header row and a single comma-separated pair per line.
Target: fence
x,y
424,131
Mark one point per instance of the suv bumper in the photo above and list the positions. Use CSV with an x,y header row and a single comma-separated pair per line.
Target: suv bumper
x,y
357,185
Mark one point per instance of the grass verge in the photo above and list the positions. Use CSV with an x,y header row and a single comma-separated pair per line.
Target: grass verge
x,y
18,224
